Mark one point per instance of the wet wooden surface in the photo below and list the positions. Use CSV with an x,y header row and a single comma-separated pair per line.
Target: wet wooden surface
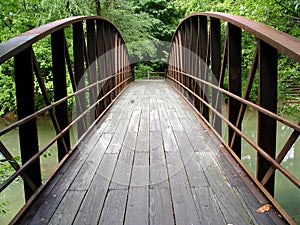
x,y
149,162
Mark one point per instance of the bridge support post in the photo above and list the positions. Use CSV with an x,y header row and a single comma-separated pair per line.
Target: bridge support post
x,y
204,52
91,42
215,42
195,62
195,65
234,83
60,89
109,61
78,49
26,106
101,65
267,98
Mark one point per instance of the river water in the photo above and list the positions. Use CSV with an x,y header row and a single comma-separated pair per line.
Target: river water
x,y
286,194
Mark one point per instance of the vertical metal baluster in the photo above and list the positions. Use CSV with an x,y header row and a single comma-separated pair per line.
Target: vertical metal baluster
x,y
60,88
78,49
234,82
267,98
28,133
203,51
91,51
215,40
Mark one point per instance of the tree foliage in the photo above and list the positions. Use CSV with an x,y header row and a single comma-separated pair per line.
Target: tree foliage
x,y
282,15
143,24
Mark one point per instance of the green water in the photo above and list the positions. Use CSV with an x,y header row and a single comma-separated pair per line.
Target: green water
x,y
286,194
14,194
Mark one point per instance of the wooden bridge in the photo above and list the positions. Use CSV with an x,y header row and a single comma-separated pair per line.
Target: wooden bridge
x,y
150,151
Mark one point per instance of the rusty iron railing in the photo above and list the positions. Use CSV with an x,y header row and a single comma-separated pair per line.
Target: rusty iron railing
x,y
202,56
99,72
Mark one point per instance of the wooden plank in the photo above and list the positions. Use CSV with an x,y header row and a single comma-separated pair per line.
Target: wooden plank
x,y
147,180
228,201
170,144
112,122
186,149
154,120
49,205
158,167
169,140
174,163
91,207
161,211
232,175
114,207
164,117
189,124
140,170
152,103
144,125
65,214
143,141
195,173
183,203
86,173
130,140
117,140
207,206
250,203
134,121
175,122
137,206
180,108
126,112
162,99
197,140
79,187
122,173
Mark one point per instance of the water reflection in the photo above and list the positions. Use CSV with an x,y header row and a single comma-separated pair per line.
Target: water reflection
x,y
287,194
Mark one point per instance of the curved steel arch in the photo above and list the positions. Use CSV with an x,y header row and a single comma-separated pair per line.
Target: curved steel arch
x,y
281,41
99,72
18,43
198,64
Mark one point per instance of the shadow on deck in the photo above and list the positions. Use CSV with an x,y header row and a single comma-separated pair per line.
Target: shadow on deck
x,y
149,161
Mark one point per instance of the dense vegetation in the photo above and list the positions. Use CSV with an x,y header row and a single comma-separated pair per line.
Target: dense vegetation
x,y
146,25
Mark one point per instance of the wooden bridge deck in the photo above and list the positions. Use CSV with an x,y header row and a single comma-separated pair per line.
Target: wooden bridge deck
x,y
149,161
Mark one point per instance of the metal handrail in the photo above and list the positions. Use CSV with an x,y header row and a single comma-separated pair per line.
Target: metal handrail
x,y
286,122
17,44
196,48
56,103
283,42
238,131
105,83
49,144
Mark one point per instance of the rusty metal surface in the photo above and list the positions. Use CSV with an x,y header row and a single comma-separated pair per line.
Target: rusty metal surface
x,y
26,64
28,133
292,139
60,89
17,44
36,156
240,133
238,160
283,42
267,99
251,104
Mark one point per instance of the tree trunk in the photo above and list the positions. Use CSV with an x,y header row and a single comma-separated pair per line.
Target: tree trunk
x,y
98,7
